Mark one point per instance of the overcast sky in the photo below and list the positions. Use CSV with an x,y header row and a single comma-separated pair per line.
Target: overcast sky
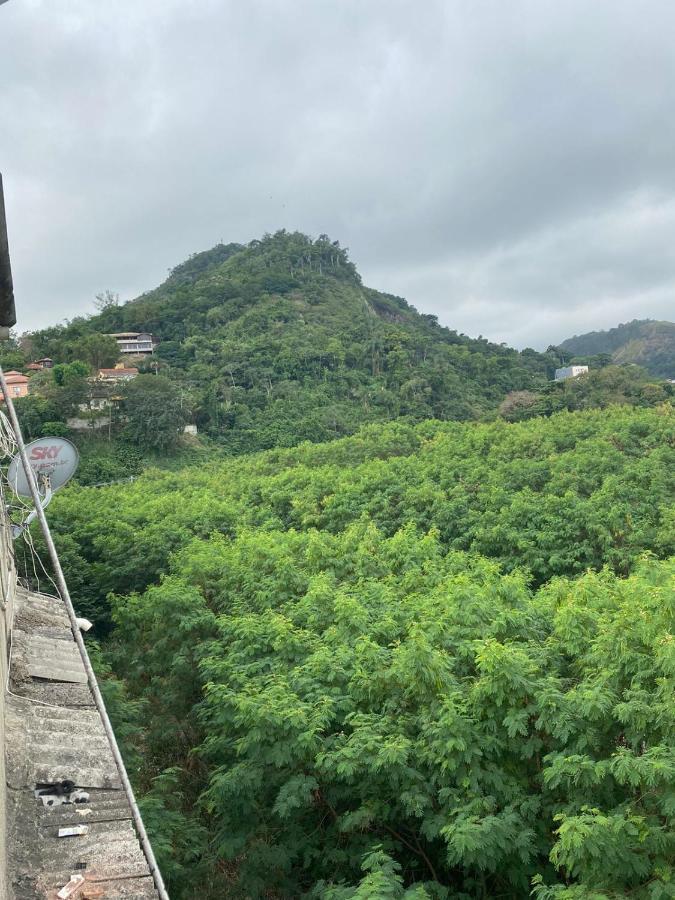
x,y
509,166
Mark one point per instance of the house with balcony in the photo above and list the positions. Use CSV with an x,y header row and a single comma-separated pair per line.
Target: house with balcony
x,y
134,343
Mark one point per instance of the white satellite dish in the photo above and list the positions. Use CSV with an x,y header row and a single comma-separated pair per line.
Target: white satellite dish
x,y
53,461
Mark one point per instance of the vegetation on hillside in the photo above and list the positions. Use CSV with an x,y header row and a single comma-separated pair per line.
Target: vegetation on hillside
x,y
142,423
279,342
598,388
644,342
360,717
382,666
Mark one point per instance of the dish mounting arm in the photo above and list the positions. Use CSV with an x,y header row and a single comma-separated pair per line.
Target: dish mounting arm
x,y
45,485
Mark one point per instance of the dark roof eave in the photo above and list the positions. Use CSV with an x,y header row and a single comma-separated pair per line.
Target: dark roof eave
x,y
7,309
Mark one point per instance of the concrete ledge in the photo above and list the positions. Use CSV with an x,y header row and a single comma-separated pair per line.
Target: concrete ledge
x,y
53,733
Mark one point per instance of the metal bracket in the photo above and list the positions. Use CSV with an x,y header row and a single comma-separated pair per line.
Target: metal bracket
x,y
45,485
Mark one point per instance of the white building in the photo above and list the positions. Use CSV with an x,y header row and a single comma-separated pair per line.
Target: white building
x,y
570,372
134,343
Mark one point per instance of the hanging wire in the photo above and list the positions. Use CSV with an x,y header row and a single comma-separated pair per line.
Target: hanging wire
x,y
8,449
8,445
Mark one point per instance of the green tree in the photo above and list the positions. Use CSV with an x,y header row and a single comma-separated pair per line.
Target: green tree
x,y
99,350
155,416
69,386
106,300
69,374
12,355
56,429
34,412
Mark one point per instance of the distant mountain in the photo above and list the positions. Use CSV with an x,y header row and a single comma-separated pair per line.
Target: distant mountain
x,y
646,342
279,341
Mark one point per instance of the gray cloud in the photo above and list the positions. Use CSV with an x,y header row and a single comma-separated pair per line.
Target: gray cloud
x,y
510,167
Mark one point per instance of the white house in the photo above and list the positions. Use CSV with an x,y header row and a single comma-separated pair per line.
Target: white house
x,y
134,343
570,372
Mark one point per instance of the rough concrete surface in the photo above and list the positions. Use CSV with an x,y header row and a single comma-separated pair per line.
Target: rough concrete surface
x,y
8,592
62,741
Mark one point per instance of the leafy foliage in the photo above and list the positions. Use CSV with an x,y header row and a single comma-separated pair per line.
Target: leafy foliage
x,y
595,389
99,350
359,702
11,354
433,659
554,496
643,341
348,702
102,461
154,414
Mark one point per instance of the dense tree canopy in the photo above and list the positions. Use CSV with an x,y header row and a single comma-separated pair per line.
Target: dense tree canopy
x,y
597,388
427,660
99,350
355,701
554,496
154,412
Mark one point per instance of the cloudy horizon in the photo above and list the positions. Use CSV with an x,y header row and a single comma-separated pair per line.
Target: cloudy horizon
x,y
509,168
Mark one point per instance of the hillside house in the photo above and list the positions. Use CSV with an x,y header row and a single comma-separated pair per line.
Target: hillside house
x,y
100,397
119,374
45,363
570,372
134,343
17,384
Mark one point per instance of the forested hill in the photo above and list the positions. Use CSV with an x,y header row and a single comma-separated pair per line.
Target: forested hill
x,y
645,342
279,341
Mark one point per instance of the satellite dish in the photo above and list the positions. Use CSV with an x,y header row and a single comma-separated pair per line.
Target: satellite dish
x,y
53,461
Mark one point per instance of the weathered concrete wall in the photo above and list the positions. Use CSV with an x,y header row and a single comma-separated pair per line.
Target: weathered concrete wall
x,y
87,424
7,596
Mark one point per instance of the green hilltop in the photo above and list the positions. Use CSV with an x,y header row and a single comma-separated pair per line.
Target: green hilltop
x,y
279,341
645,342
